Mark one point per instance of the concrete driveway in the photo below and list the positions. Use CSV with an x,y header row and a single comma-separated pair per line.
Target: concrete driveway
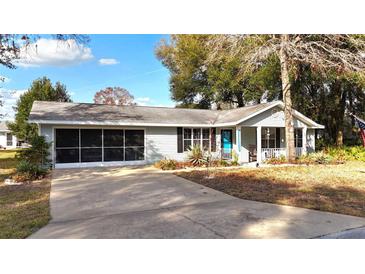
x,y
148,203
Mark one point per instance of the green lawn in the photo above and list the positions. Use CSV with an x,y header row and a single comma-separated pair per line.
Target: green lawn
x,y
25,208
333,188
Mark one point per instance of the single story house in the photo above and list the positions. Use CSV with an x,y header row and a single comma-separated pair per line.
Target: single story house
x,y
84,135
7,140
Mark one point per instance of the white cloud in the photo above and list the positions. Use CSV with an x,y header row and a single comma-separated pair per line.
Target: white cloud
x,y
9,98
108,61
143,101
147,101
51,52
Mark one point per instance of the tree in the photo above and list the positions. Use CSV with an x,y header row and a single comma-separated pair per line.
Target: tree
x,y
40,90
196,83
11,44
184,56
322,53
327,99
114,96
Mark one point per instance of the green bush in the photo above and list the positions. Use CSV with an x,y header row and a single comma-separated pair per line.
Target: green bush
x,y
196,156
347,153
37,153
223,163
27,171
166,164
33,162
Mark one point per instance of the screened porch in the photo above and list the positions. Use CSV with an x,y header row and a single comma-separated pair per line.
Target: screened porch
x,y
262,143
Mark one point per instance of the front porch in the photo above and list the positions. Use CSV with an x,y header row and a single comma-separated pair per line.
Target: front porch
x,y
257,144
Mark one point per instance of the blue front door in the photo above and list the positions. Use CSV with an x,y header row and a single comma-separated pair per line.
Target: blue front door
x,y
226,143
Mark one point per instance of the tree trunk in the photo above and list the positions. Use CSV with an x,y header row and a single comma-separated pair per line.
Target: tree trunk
x,y
339,114
288,111
339,138
239,97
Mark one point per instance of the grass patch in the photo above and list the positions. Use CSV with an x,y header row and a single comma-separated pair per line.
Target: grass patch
x,y
333,188
7,164
25,208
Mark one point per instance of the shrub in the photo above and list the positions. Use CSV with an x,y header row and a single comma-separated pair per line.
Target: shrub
x,y
196,156
338,154
34,161
276,160
223,163
316,158
166,164
27,171
346,153
37,153
321,157
234,161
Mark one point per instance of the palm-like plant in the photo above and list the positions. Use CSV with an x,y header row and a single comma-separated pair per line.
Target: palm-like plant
x,y
196,156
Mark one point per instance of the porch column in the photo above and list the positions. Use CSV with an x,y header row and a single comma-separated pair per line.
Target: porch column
x,y
258,143
238,142
304,140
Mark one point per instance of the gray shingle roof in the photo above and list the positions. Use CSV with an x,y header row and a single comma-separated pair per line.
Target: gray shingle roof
x,y
82,113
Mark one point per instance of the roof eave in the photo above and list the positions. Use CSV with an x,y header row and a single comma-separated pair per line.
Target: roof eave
x,y
113,123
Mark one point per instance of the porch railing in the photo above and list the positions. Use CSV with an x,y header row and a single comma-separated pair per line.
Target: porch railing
x,y
268,153
298,151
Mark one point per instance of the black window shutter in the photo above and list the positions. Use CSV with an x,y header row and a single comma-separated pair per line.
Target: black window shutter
x,y
278,137
213,145
179,140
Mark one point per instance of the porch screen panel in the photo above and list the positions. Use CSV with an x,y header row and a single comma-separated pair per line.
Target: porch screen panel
x,y
67,146
91,145
113,145
298,137
134,145
268,138
278,140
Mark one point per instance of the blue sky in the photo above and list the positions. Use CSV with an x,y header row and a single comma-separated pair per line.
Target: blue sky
x,y
127,61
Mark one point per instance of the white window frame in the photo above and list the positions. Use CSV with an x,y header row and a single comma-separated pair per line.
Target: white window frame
x,y
191,139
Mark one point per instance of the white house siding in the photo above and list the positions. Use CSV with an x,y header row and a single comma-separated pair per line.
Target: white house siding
x,y
3,140
161,142
311,140
47,132
271,118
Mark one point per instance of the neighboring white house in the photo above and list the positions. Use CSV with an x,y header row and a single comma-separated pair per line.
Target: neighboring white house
x,y
85,135
7,140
